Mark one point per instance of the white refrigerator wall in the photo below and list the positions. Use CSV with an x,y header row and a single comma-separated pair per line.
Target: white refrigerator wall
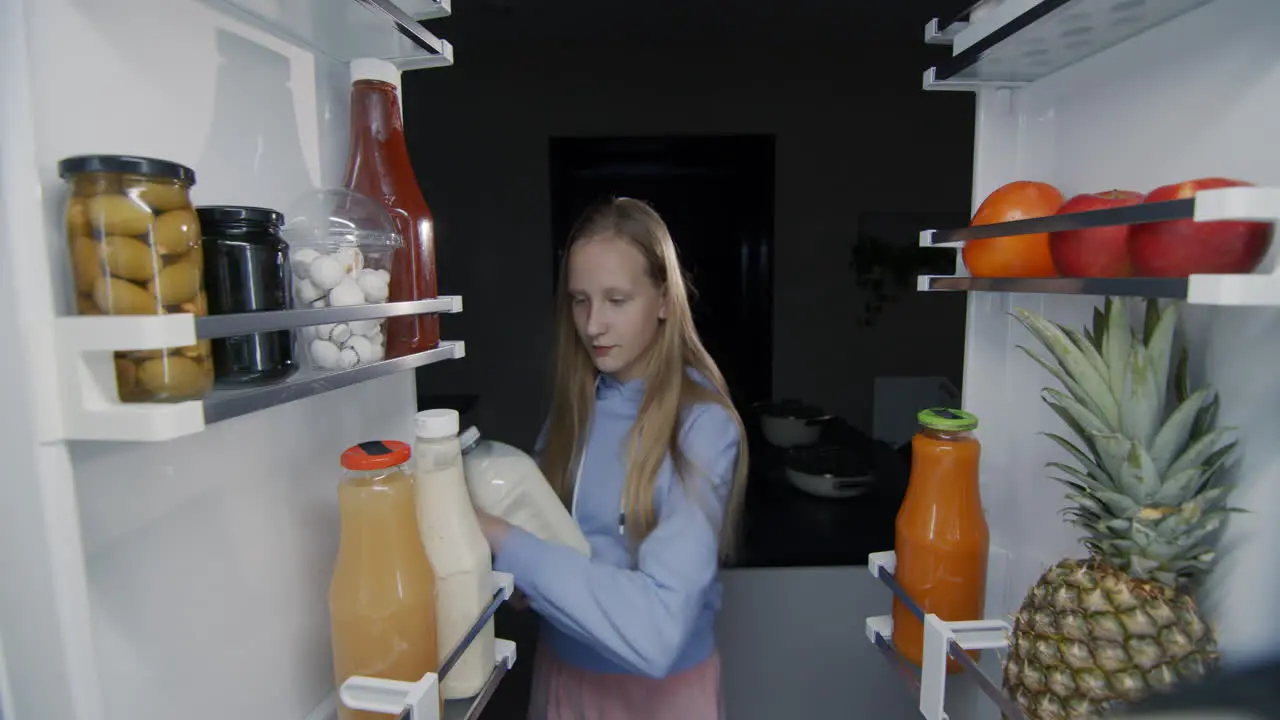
x,y
203,590
1195,97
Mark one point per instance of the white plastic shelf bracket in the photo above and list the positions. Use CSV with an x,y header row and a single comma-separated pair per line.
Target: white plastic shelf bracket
x,y
940,637
86,353
420,700
1256,204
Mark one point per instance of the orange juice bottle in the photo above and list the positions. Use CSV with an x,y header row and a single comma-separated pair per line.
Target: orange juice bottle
x,y
382,598
940,535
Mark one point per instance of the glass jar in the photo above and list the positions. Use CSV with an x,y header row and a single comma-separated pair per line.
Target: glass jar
x,y
136,250
382,596
247,270
940,534
341,248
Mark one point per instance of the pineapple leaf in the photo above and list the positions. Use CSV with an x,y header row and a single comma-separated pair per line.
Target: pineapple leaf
x,y
1177,488
1116,346
1181,383
1072,386
1113,453
1100,324
1177,428
1120,505
1160,348
1140,400
1139,473
1149,320
1206,419
1200,505
1087,349
1074,362
1215,462
1070,422
1200,450
1090,465
1085,503
1089,422
1079,476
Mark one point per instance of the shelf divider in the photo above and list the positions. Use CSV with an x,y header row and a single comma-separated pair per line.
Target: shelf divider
x,y
942,639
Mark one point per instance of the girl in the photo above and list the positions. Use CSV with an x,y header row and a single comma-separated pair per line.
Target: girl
x,y
647,450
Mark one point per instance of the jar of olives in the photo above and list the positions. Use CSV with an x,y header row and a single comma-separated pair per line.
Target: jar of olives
x,y
136,250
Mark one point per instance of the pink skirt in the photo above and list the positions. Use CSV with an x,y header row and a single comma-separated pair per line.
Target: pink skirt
x,y
564,692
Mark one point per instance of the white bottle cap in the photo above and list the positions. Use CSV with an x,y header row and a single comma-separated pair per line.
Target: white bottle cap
x,y
374,69
436,424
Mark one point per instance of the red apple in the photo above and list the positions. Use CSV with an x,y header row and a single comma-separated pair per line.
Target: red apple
x,y
1179,248
1098,251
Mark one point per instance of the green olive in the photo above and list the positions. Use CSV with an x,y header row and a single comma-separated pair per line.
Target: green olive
x,y
176,284
121,297
176,232
118,215
77,218
86,263
129,258
162,197
174,376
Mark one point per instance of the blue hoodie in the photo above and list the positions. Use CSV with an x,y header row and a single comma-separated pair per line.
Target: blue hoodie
x,y
654,616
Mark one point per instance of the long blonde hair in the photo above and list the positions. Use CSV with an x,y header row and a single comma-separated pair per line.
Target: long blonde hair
x,y
669,390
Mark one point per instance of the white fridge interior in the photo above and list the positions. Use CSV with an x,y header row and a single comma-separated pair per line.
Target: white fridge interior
x,y
188,576
1090,95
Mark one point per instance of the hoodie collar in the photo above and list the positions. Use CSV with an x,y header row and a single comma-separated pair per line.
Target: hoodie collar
x,y
608,387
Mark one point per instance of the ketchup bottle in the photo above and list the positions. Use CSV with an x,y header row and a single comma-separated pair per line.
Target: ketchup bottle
x,y
379,168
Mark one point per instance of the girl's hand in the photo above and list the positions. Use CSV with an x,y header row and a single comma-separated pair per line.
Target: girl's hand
x,y
495,530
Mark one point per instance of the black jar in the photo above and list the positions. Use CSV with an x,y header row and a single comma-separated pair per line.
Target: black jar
x,y
246,269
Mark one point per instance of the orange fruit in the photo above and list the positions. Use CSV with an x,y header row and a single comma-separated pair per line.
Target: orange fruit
x,y
1015,255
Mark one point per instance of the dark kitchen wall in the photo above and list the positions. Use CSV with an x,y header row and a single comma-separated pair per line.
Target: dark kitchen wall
x,y
839,87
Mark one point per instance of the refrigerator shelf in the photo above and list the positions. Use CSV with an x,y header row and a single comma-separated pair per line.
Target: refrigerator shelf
x,y
344,30
1021,41
220,326
90,406
420,700
1261,288
941,639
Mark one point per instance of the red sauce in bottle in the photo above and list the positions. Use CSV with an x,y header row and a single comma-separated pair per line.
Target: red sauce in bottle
x,y
379,167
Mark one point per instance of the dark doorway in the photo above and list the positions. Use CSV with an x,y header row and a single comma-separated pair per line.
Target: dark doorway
x,y
716,195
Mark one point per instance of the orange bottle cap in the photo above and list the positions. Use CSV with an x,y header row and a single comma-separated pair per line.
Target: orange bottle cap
x,y
376,455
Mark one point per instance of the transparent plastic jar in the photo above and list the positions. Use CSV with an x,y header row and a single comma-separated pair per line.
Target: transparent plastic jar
x,y
135,247
341,246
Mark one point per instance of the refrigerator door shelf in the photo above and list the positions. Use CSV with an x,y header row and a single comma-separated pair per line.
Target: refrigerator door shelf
x,y
1252,204
420,700
345,30
88,397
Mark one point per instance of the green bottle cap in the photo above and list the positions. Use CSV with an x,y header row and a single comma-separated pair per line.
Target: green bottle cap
x,y
947,419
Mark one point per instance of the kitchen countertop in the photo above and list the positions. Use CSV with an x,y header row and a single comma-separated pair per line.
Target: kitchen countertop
x,y
785,527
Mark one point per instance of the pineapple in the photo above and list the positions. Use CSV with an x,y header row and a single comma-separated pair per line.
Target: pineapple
x,y
1122,623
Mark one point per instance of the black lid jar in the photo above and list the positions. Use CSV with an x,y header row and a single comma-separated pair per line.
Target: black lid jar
x,y
247,270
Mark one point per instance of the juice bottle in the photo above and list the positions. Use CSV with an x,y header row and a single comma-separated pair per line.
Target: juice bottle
x,y
378,166
382,608
941,537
